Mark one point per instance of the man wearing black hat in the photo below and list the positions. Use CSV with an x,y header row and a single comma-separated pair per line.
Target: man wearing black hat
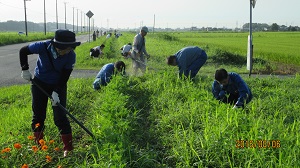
x,y
55,62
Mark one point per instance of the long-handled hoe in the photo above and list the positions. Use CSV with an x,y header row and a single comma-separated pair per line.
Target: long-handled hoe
x,y
66,111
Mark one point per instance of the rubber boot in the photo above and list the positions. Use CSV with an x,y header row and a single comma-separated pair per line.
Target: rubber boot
x,y
38,136
68,144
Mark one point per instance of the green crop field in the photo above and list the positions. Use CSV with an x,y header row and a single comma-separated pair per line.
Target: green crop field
x,y
157,120
272,46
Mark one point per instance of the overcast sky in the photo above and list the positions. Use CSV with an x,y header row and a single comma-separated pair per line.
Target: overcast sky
x,y
168,13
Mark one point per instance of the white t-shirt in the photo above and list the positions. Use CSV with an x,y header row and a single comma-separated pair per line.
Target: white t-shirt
x,y
95,49
126,48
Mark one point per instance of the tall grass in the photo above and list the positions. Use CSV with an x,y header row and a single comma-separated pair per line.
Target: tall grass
x,y
158,120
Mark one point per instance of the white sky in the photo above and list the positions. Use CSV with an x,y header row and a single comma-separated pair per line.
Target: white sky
x,y
168,13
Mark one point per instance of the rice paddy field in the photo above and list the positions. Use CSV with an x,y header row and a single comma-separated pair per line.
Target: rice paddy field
x,y
157,120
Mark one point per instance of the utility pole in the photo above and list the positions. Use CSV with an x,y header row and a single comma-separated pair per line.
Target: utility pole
x,y
93,24
25,18
65,15
107,24
84,22
45,25
81,22
250,42
73,20
56,16
154,23
77,22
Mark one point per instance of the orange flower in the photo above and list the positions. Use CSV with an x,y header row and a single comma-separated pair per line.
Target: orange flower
x,y
56,149
42,142
5,150
17,146
35,148
24,166
59,166
30,137
44,148
51,141
37,125
48,158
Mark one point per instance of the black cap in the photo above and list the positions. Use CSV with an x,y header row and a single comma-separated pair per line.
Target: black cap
x,y
64,39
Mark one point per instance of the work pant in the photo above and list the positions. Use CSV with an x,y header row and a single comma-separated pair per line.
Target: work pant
x,y
138,62
39,106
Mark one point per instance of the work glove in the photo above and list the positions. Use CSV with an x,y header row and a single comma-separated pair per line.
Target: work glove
x,y
26,75
55,98
238,105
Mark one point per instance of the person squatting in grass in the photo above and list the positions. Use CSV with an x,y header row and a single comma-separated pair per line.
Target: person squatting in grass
x,y
96,52
106,73
139,51
231,88
189,61
55,62
126,50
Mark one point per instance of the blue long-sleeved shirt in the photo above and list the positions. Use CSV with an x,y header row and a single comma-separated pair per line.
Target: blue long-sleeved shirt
x,y
104,76
235,85
44,69
186,59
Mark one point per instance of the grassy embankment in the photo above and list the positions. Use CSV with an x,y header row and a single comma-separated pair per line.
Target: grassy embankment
x,y
157,120
7,38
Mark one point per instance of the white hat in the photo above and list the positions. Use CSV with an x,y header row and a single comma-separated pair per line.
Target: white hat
x,y
145,29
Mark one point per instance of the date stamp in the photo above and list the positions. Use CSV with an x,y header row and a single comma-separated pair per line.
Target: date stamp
x,y
264,144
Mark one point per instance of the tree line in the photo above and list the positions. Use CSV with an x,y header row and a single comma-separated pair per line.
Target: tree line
x,y
19,26
272,27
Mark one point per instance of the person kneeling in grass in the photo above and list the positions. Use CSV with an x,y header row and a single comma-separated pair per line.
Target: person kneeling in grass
x,y
97,51
126,50
231,88
107,71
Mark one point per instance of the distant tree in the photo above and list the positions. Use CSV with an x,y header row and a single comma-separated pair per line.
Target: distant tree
x,y
283,28
292,28
18,26
274,27
257,26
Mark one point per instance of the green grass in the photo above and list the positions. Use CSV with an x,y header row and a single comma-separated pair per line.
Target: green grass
x,y
13,37
157,120
271,46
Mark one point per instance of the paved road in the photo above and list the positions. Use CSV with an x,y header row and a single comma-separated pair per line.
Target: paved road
x,y
10,71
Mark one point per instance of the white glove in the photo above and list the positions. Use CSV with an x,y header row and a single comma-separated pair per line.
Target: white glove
x,y
234,107
26,75
55,98
237,107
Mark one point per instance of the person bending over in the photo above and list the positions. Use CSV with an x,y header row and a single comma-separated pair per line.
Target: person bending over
x,y
189,61
55,62
106,73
